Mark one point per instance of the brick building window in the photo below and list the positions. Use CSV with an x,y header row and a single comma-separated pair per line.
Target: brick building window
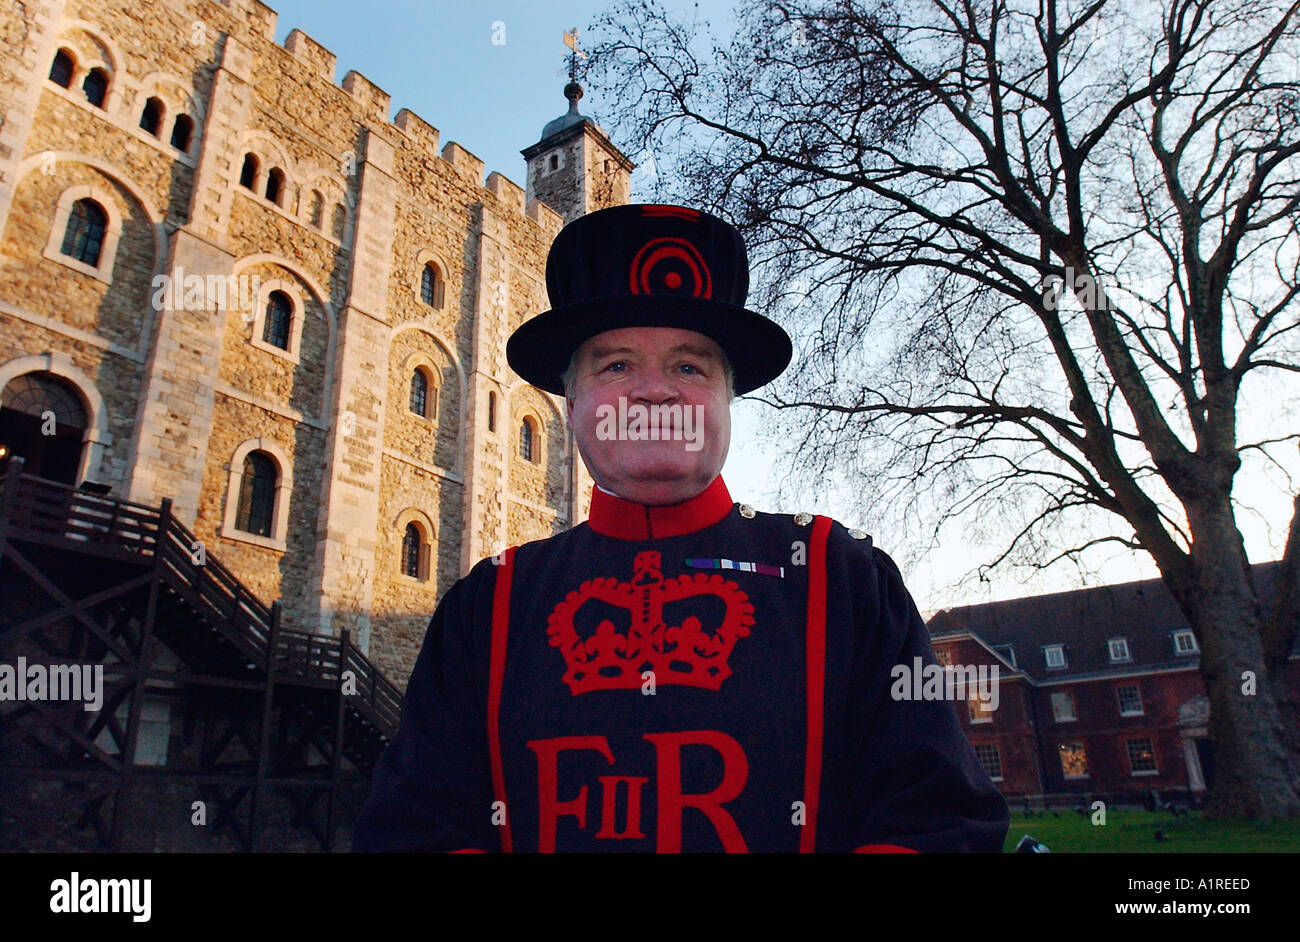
x,y
1055,655
979,710
151,117
528,445
990,759
257,495
84,236
1130,700
1141,757
1074,761
1185,643
182,133
1118,650
431,286
248,172
62,68
1063,706
943,656
279,317
411,552
96,87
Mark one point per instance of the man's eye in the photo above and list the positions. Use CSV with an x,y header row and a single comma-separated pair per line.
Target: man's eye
x,y
617,366
689,367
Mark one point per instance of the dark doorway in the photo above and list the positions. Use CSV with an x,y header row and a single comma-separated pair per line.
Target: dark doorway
x,y
1205,752
43,421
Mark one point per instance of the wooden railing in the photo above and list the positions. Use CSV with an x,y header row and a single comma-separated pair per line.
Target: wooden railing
x,y
35,507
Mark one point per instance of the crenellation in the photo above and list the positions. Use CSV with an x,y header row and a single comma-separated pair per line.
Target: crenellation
x,y
316,56
373,99
465,163
417,130
510,194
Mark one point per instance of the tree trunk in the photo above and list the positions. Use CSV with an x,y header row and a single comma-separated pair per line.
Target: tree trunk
x,y
1252,768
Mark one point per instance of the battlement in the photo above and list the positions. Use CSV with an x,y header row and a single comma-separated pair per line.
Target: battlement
x,y
375,104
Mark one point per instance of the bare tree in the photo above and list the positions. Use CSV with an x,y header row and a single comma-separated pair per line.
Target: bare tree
x,y
1033,251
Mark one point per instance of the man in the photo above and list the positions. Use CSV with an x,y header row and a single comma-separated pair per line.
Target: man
x,y
679,673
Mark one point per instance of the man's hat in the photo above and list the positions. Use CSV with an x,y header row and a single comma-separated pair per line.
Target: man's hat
x,y
648,266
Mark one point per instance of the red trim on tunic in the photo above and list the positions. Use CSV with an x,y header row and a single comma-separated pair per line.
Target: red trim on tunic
x,y
496,677
885,849
628,520
816,668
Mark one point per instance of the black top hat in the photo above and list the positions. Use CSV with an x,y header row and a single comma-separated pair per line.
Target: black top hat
x,y
648,266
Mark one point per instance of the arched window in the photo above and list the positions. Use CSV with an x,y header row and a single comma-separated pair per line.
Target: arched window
x,y
248,173
317,211
151,117
182,133
492,412
84,236
62,69
528,444
431,286
279,317
96,87
420,393
411,552
338,221
257,495
275,185
43,421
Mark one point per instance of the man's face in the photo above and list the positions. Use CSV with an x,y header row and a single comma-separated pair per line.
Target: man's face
x,y
672,388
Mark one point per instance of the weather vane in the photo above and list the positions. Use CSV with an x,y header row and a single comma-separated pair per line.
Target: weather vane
x,y
571,40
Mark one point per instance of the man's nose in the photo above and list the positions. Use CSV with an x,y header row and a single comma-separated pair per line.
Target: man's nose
x,y
655,385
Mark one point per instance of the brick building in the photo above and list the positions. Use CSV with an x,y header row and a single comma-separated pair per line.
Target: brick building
x,y
323,391
1100,690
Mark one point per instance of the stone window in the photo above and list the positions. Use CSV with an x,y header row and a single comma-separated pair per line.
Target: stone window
x,y
1130,700
279,318
248,173
529,448
183,133
96,87
62,69
431,286
424,394
338,221
411,551
257,495
1074,760
990,759
275,185
316,213
492,412
84,237
555,162
1141,757
151,117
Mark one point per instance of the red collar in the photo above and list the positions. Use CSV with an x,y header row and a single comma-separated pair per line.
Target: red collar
x,y
628,520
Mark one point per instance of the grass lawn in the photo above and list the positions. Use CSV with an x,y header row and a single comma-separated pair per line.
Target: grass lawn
x,y
1135,832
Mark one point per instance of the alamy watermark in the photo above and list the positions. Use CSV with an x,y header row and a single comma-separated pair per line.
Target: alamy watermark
x,y
178,291
62,682
658,423
966,682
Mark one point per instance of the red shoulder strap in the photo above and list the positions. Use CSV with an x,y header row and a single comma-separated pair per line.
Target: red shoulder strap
x,y
496,677
815,657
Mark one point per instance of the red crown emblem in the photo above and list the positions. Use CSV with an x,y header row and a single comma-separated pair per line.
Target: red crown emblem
x,y
688,653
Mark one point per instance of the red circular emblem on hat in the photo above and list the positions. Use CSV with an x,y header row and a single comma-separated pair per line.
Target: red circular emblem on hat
x,y
670,266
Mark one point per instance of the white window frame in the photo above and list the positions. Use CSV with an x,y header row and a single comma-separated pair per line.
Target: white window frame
x,y
1059,651
1121,658
1074,707
1140,711
1190,636
296,318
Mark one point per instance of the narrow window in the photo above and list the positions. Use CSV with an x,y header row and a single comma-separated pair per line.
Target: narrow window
x,y
419,393
492,412
248,174
96,87
84,236
151,117
317,209
527,443
411,551
62,69
279,314
431,286
275,185
257,495
338,221
183,133
555,162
